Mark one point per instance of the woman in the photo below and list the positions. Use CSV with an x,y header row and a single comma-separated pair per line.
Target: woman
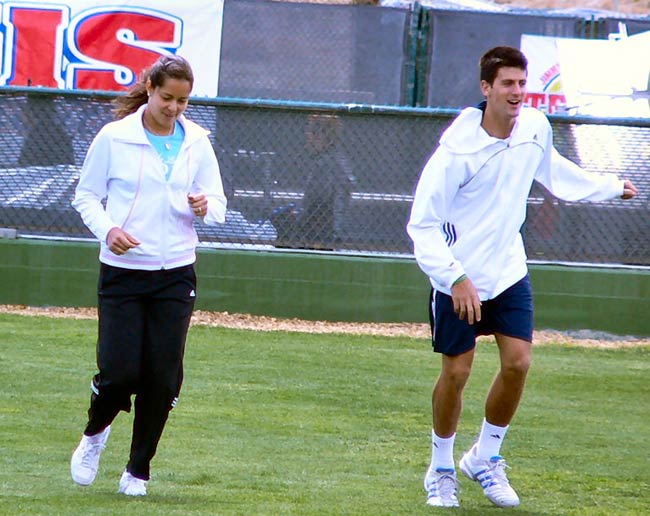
x,y
158,173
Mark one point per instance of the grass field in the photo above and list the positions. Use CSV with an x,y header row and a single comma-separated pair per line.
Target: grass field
x,y
299,424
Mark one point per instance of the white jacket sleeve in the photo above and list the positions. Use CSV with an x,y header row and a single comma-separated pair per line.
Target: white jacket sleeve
x,y
208,182
435,191
92,188
569,182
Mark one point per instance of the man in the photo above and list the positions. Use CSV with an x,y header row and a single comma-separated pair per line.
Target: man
x,y
465,223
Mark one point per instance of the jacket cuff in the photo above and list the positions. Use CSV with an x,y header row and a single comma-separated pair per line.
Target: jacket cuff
x,y
454,272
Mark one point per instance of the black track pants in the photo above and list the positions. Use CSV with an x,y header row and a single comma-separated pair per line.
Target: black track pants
x,y
143,321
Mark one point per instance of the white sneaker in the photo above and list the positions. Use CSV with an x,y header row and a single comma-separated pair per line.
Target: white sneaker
x,y
441,487
85,459
491,474
132,486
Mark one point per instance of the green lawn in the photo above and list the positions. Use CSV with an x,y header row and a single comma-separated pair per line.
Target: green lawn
x,y
298,424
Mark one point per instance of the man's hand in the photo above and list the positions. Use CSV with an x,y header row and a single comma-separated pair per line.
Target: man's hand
x,y
629,190
119,242
466,301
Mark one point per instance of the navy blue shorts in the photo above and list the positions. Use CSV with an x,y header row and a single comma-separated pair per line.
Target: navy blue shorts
x,y
510,314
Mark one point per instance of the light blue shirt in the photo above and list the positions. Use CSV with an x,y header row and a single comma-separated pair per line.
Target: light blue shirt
x,y
168,147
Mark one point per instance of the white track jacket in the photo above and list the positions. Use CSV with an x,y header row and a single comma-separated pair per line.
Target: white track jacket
x,y
122,167
470,202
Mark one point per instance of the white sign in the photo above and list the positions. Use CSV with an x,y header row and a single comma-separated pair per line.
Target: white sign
x,y
544,89
606,78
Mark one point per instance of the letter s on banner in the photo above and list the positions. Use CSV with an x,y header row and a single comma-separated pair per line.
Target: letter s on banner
x,y
101,39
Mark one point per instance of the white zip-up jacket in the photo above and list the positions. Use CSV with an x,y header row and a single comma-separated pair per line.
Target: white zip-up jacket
x,y
470,202
122,167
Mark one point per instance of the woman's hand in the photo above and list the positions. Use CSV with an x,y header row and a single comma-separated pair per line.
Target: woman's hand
x,y
629,190
119,242
198,204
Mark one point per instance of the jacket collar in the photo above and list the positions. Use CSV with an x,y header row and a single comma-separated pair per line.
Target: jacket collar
x,y
132,129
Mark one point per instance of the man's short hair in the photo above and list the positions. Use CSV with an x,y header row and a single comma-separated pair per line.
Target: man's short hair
x,y
499,57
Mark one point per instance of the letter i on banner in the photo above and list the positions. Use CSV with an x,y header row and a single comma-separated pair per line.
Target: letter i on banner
x,y
34,39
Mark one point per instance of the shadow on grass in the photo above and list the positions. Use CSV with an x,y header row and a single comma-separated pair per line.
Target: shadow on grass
x,y
489,509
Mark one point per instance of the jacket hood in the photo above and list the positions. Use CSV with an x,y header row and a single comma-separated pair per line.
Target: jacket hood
x,y
466,135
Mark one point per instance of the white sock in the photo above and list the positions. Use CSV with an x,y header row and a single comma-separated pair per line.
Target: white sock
x,y
490,440
442,451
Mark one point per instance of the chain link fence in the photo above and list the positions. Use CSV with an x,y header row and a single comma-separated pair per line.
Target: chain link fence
x,y
301,176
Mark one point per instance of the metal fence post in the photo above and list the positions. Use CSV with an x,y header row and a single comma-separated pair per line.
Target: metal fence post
x,y
410,61
591,28
423,58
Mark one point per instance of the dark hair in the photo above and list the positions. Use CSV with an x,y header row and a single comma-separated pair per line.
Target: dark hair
x,y
499,57
174,67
